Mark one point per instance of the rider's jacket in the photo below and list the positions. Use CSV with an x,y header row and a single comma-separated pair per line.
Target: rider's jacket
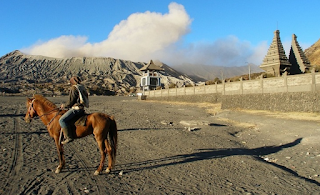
x,y
74,97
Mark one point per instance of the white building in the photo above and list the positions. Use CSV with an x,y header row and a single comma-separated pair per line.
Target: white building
x,y
151,77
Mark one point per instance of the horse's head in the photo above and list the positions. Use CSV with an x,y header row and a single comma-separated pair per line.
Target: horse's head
x,y
31,112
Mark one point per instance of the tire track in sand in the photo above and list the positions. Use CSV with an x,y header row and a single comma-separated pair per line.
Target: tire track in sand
x,y
98,182
17,156
36,184
86,165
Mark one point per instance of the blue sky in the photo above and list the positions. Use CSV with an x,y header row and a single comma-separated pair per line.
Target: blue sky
x,y
211,32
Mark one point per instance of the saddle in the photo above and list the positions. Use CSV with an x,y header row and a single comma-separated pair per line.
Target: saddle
x,y
80,120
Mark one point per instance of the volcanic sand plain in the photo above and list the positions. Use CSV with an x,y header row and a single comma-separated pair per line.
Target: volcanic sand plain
x,y
165,148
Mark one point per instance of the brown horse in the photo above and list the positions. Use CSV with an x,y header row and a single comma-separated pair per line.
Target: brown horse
x,y
99,124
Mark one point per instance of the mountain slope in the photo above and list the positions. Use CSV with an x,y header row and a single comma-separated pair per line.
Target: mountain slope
x,y
205,72
313,53
106,73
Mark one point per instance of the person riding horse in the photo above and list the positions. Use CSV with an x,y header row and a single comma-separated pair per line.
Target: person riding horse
x,y
102,126
78,99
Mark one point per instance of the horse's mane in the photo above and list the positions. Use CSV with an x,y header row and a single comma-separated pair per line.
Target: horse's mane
x,y
44,100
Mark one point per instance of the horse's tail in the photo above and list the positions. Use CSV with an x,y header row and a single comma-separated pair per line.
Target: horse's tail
x,y
113,138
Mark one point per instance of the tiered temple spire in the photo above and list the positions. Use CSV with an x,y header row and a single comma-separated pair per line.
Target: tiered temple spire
x,y
276,61
297,58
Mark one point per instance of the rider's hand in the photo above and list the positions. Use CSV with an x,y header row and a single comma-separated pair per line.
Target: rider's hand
x,y
62,106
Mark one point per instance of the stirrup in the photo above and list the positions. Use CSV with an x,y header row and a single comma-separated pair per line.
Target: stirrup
x,y
68,140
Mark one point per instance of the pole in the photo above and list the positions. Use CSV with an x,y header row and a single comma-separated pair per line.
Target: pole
x,y
221,75
249,68
249,72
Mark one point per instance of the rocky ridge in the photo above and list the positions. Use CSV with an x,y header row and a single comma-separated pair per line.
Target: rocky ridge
x,y
27,74
313,53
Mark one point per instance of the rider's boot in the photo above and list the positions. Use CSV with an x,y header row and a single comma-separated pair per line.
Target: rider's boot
x,y
67,135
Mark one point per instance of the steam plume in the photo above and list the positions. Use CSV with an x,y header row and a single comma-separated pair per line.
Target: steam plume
x,y
150,35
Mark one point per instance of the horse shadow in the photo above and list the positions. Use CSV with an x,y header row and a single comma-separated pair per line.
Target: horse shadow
x,y
207,154
25,133
12,115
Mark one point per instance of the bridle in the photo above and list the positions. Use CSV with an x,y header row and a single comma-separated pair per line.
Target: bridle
x,y
31,109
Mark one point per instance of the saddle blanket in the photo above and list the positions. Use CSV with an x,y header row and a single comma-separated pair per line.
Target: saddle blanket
x,y
81,121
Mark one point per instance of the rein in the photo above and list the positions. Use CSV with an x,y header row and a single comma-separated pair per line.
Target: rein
x,y
53,117
47,113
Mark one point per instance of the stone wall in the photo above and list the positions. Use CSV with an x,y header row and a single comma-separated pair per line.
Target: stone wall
x,y
287,83
289,93
284,102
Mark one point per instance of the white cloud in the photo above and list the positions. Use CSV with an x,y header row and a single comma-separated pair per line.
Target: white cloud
x,y
258,54
64,46
151,35
228,51
139,37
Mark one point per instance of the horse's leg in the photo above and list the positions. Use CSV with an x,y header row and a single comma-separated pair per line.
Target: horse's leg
x,y
110,157
60,155
111,145
103,155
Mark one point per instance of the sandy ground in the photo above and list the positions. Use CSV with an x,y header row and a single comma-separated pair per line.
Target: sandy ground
x,y
166,148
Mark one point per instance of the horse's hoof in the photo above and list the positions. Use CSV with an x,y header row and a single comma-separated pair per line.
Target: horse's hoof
x,y
96,173
108,170
57,170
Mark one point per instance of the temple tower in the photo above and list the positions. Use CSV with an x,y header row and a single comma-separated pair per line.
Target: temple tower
x,y
297,58
276,61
